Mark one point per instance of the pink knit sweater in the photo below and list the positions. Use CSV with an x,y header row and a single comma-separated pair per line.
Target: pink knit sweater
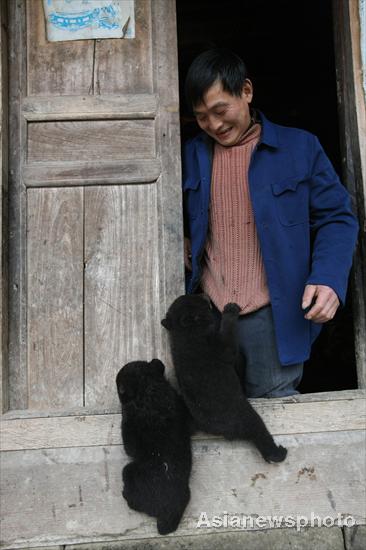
x,y
233,269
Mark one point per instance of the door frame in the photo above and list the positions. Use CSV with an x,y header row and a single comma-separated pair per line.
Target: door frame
x,y
317,413
352,120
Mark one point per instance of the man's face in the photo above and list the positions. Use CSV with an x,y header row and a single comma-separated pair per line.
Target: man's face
x,y
223,116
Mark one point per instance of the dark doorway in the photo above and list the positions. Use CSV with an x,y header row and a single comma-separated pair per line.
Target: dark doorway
x,y
288,49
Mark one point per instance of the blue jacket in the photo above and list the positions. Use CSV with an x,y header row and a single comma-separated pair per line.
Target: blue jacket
x,y
305,225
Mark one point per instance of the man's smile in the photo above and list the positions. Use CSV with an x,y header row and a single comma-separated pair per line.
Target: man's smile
x,y
224,133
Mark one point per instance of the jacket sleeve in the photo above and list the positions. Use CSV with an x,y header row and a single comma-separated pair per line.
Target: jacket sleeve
x,y
333,226
184,177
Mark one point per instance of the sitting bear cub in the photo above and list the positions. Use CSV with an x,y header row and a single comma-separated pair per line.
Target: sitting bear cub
x,y
155,434
205,359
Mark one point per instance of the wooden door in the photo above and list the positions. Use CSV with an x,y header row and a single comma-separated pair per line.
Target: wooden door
x,y
95,219
95,243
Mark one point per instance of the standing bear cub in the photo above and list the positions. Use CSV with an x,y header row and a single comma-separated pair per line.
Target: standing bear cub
x,y
205,359
156,435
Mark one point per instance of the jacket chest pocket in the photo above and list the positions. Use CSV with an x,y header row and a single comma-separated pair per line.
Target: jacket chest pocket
x,y
192,197
291,201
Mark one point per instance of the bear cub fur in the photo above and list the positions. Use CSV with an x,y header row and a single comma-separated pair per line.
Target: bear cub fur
x,y
205,362
155,434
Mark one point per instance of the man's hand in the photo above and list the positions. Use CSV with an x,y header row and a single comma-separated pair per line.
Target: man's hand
x,y
325,304
187,254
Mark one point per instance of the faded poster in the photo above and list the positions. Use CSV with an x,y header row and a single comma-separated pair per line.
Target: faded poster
x,y
85,19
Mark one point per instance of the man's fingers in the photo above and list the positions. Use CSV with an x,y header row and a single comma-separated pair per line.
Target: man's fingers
x,y
317,309
308,295
325,307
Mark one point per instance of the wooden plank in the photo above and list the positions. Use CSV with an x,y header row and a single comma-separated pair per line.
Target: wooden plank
x,y
272,539
360,272
66,490
104,429
125,66
4,395
103,140
17,209
56,68
122,315
351,107
107,107
258,402
61,174
165,63
55,297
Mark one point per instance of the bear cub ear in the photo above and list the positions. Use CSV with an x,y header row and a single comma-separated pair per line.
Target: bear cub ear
x,y
166,323
158,366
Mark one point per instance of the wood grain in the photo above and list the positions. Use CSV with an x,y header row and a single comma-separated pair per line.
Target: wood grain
x,y
122,315
125,66
60,174
263,403
76,492
351,108
55,297
104,429
17,209
107,107
359,293
170,210
97,140
56,68
4,389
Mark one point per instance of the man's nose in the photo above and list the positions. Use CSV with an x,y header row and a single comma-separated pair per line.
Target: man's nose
x,y
215,124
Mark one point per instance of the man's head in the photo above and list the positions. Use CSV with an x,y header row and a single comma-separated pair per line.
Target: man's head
x,y
219,92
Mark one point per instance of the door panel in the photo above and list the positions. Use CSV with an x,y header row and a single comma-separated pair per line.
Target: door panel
x,y
122,316
55,298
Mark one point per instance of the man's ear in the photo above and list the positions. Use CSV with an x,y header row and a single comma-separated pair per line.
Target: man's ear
x,y
166,323
247,90
157,365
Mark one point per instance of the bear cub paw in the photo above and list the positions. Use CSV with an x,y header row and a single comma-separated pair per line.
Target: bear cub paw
x,y
232,308
278,455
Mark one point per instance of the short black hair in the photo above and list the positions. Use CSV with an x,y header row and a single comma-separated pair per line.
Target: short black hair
x,y
214,65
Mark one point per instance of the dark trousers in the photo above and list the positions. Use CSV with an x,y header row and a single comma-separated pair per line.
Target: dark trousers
x,y
264,374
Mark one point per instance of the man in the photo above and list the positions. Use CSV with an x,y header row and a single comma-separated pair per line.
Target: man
x,y
268,224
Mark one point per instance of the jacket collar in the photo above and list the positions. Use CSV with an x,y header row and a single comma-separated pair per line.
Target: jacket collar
x,y
269,134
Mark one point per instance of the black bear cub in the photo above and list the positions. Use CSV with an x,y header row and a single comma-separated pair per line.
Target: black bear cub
x,y
155,434
205,359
